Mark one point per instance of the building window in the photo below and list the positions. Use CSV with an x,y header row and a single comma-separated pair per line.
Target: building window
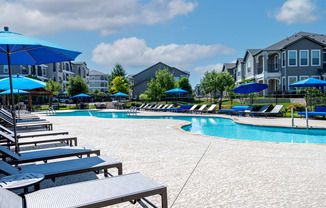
x,y
304,57
93,77
292,79
324,57
315,77
303,77
315,57
248,66
176,79
292,58
283,84
93,84
239,70
283,59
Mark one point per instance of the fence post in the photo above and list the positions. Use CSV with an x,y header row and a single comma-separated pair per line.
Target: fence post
x,y
307,118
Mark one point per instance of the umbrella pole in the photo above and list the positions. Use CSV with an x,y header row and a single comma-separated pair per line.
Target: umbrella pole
x,y
12,100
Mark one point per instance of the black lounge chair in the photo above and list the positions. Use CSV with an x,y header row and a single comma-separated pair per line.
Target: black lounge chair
x,y
8,140
247,111
89,194
46,154
274,112
53,170
261,110
34,133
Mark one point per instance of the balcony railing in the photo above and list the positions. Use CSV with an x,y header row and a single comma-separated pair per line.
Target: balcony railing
x,y
273,68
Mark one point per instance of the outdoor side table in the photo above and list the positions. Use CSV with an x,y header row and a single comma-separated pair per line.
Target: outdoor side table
x,y
24,180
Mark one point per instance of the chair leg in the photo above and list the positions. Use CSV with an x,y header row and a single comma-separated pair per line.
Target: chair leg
x,y
164,197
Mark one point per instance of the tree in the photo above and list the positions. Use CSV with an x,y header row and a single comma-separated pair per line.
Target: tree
x,y
184,84
222,81
162,82
53,87
119,85
77,85
116,71
95,92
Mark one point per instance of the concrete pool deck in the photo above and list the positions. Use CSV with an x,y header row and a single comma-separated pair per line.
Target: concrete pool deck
x,y
203,171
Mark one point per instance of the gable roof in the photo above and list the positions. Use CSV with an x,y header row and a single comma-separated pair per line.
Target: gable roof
x,y
318,38
94,72
252,52
229,66
162,64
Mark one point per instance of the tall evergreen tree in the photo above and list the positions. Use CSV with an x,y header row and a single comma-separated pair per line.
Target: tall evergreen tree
x,y
116,71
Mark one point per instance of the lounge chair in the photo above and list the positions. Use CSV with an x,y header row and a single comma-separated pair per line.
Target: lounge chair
x,y
200,109
143,108
247,111
140,107
46,154
262,110
157,107
162,108
235,109
91,194
182,108
274,112
8,140
191,109
53,170
210,109
19,116
149,107
319,111
167,108
9,122
34,133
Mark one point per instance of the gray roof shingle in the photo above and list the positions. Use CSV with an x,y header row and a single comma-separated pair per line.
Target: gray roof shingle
x,y
283,43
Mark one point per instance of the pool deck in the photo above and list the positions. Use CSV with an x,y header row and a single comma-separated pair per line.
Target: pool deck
x,y
204,171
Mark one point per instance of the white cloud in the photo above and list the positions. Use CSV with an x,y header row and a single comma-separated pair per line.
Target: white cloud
x,y
109,16
202,69
297,11
133,52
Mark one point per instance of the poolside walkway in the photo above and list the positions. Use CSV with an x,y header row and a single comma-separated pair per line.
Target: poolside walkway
x,y
203,171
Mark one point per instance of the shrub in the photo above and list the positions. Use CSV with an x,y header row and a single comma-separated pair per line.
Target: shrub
x,y
296,107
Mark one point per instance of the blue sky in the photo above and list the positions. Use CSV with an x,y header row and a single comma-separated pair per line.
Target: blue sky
x,y
191,35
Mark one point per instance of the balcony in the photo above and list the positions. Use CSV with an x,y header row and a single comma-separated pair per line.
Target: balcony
x,y
272,68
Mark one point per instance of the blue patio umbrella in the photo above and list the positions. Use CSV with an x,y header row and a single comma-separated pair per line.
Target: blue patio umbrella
x,y
16,49
176,91
311,82
16,91
120,94
21,83
251,87
81,95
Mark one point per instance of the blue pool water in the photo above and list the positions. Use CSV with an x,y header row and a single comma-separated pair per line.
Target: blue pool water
x,y
226,128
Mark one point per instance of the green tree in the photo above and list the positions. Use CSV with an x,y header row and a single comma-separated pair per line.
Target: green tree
x,y
95,92
116,71
222,81
184,84
162,82
143,97
53,87
77,85
119,85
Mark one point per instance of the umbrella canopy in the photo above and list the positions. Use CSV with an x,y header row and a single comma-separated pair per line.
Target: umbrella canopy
x,y
176,91
120,94
250,88
81,95
15,91
21,83
16,49
31,51
311,82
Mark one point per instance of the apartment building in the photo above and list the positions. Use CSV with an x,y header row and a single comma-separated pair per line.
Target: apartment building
x,y
98,80
138,82
59,72
292,59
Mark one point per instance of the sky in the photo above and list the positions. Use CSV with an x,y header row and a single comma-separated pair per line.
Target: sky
x,y
191,35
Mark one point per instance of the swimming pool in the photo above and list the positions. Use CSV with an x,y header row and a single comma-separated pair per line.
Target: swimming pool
x,y
226,128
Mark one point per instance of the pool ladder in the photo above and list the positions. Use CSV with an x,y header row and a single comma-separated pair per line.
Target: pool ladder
x,y
132,111
50,111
